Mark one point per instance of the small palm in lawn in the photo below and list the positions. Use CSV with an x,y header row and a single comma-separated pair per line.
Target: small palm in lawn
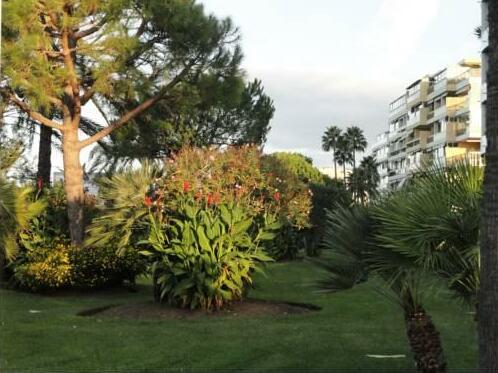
x,y
329,142
343,153
358,143
350,235
428,228
435,222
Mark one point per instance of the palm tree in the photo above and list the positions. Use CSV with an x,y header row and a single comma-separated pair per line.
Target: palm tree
x,y
371,174
343,153
350,236
354,135
488,300
329,142
430,226
434,220
16,208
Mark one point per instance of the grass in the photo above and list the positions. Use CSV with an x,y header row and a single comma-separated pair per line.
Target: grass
x,y
351,325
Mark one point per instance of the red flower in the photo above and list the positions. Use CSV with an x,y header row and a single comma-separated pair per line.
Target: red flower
x,y
148,201
186,186
39,183
209,199
277,196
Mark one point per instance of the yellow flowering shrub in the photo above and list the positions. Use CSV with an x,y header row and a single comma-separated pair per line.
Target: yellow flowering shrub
x,y
45,268
66,266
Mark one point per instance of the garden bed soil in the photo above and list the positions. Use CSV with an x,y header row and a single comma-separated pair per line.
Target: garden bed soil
x,y
150,310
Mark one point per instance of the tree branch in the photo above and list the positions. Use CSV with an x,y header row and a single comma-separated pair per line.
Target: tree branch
x,y
31,113
121,121
138,110
89,31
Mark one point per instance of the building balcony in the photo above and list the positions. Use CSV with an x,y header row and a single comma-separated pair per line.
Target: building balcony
x,y
473,158
398,108
462,108
462,82
437,114
438,88
418,120
414,98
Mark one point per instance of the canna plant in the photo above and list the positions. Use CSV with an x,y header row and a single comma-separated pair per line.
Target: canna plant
x,y
204,257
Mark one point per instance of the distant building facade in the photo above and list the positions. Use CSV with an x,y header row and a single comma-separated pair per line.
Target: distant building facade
x,y
437,119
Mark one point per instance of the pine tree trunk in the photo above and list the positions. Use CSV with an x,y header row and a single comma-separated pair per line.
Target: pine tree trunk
x,y
425,342
488,293
44,155
73,180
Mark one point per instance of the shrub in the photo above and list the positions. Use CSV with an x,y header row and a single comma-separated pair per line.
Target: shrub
x,y
301,176
237,175
102,267
204,257
64,266
44,268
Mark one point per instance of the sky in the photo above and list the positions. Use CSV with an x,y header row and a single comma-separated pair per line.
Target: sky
x,y
334,62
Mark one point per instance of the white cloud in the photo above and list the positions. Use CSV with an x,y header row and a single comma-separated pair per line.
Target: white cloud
x,y
309,101
395,32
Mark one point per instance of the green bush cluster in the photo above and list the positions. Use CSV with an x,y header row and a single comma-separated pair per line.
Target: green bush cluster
x,y
325,193
47,261
64,266
196,192
205,257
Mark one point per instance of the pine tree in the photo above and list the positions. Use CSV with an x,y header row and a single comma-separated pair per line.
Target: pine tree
x,y
63,55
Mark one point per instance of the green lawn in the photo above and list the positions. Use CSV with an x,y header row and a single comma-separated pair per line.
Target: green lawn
x,y
351,325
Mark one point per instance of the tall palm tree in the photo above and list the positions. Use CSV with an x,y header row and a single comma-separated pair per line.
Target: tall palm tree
x,y
358,143
488,300
343,153
371,174
363,180
329,142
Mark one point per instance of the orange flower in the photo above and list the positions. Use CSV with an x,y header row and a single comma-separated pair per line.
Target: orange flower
x,y
148,201
209,199
186,186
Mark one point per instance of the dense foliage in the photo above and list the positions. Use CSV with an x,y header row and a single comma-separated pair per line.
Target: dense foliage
x,y
325,194
211,213
47,261
62,265
428,229
205,257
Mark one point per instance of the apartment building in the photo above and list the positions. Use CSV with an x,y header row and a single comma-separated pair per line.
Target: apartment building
x,y
437,119
484,35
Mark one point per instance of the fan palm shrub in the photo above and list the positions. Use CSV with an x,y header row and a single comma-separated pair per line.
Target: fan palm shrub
x,y
427,230
434,221
351,236
16,208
